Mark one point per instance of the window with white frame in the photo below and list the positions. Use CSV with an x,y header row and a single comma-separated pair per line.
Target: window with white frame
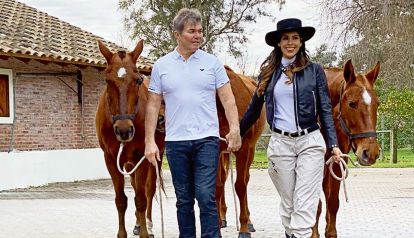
x,y
6,96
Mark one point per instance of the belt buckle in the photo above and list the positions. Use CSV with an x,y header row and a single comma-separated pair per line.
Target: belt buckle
x,y
293,134
304,132
301,133
284,133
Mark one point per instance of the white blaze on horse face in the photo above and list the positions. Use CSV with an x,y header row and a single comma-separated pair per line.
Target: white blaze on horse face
x,y
367,98
121,72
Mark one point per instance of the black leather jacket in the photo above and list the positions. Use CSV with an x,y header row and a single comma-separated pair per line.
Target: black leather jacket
x,y
311,97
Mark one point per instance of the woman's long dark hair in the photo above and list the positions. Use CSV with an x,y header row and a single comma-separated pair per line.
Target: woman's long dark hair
x,y
272,62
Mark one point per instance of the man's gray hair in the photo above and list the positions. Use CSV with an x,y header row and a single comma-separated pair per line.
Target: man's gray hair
x,y
184,16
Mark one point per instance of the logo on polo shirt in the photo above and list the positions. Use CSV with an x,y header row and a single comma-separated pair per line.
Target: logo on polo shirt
x,y
202,69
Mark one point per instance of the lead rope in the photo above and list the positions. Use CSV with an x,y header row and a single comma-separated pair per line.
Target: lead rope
x,y
232,183
343,168
123,170
125,173
161,207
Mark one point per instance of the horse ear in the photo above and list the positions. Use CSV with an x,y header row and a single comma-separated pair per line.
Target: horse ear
x,y
105,51
137,51
349,72
373,74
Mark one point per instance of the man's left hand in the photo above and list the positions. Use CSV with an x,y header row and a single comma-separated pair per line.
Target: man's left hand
x,y
233,141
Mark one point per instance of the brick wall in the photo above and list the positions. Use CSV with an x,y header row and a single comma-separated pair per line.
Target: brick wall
x,y
48,115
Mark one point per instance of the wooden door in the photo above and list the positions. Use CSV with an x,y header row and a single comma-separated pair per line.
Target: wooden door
x,y
4,96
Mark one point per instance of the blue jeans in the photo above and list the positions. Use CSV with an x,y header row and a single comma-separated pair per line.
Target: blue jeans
x,y
193,165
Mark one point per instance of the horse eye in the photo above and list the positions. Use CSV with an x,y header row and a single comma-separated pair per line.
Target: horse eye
x,y
352,105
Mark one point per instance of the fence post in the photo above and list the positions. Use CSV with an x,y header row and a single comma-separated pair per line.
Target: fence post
x,y
393,146
382,139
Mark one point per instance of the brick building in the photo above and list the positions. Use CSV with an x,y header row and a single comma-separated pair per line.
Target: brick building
x,y
51,76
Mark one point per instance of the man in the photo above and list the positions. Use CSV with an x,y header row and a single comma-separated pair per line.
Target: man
x,y
188,80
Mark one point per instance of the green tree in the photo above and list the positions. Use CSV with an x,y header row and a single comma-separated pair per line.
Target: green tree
x,y
382,31
376,30
397,106
223,21
323,56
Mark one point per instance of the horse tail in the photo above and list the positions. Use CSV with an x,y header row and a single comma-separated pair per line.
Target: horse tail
x,y
162,181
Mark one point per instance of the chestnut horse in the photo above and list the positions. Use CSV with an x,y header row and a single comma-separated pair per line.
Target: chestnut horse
x,y
120,119
354,107
243,88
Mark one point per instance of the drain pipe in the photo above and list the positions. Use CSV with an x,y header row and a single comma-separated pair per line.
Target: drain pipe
x,y
79,82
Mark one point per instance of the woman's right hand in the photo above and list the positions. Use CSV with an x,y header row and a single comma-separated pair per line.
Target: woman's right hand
x,y
336,154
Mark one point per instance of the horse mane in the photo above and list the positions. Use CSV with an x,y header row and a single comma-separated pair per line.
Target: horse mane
x,y
228,68
335,69
122,54
241,77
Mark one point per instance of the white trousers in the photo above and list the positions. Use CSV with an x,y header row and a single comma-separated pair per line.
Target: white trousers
x,y
296,167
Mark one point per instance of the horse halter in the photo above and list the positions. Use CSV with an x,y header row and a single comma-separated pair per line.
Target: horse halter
x,y
125,116
345,128
130,116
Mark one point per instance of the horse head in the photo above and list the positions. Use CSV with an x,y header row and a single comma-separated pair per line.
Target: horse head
x,y
358,112
122,84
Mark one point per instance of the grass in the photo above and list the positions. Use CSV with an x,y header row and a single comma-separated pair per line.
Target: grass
x,y
405,159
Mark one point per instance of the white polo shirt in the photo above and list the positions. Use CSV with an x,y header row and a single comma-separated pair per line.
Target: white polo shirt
x,y
189,91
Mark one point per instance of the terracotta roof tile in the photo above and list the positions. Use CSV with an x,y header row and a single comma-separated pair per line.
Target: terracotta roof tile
x,y
27,32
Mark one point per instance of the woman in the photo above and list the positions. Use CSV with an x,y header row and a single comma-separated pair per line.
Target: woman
x,y
296,95
188,80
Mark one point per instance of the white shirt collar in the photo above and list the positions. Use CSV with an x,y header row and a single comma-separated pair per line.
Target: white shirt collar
x,y
286,62
177,55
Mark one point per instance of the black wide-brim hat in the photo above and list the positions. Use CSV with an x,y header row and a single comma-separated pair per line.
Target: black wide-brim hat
x,y
287,25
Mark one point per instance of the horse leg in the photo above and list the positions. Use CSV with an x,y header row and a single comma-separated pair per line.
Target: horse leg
x,y
315,232
325,186
220,184
332,204
151,187
136,227
242,167
140,199
150,191
250,160
121,200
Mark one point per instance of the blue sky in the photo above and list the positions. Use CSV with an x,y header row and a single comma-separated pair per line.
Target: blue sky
x,y
102,18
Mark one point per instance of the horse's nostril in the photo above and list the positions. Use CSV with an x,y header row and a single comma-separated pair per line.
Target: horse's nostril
x,y
117,132
365,154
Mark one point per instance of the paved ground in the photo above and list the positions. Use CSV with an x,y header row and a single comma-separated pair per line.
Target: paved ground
x,y
381,206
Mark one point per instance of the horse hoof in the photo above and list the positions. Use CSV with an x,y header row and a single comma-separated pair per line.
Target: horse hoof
x,y
136,230
223,223
245,235
251,227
